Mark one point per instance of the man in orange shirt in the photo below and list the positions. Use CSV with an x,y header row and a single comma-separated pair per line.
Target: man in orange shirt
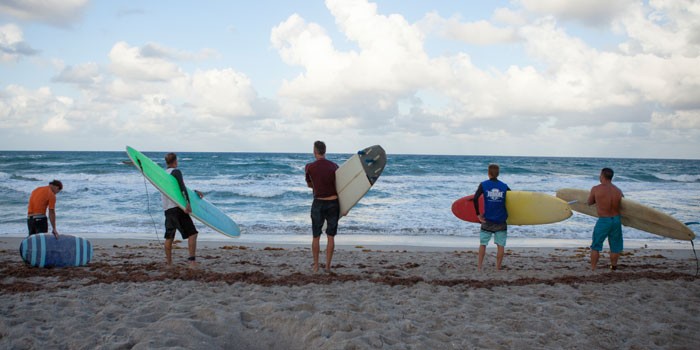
x,y
42,198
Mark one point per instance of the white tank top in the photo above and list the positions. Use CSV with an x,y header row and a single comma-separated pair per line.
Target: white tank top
x,y
167,203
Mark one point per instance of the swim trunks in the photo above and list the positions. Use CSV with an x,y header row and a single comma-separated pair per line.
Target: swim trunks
x,y
499,237
610,228
325,210
177,219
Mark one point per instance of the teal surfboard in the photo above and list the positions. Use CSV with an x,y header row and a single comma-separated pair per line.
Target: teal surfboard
x,y
202,209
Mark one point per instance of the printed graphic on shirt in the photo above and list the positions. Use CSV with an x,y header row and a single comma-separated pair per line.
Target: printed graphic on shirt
x,y
495,195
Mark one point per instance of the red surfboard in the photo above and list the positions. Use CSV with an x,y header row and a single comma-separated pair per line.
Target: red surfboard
x,y
463,208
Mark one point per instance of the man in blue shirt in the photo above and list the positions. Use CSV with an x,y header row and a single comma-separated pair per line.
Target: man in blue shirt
x,y
493,219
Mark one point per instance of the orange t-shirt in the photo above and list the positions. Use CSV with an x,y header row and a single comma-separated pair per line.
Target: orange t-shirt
x,y
40,199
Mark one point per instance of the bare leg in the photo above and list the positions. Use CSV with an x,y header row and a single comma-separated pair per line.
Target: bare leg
x,y
499,256
192,248
315,248
482,253
613,259
169,251
329,252
595,255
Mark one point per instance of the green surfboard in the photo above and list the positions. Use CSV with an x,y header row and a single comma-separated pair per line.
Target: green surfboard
x,y
202,209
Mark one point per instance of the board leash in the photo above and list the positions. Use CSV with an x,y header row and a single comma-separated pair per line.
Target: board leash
x,y
697,262
148,202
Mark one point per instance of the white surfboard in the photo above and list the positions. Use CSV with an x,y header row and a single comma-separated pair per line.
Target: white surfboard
x,y
357,175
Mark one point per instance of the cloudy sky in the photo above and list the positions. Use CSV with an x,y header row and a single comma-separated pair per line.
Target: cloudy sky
x,y
523,77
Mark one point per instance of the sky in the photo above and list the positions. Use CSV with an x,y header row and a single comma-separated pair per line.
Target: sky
x,y
594,78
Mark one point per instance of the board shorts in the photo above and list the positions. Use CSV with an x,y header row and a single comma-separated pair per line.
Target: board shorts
x,y
499,237
610,228
177,219
328,211
37,224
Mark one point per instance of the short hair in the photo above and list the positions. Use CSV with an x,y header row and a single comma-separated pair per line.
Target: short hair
x,y
57,183
494,170
170,158
607,173
320,147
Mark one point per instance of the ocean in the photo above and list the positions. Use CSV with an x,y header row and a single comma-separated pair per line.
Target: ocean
x,y
265,193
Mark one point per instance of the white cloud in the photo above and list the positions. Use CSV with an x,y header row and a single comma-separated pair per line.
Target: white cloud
x,y
12,44
478,33
509,17
221,93
33,109
57,124
154,50
82,74
665,28
387,67
129,63
56,12
594,12
383,82
688,119
364,88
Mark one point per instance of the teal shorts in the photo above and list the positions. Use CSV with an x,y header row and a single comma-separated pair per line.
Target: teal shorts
x,y
499,237
610,228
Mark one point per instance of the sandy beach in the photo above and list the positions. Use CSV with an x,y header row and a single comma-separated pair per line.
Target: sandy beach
x,y
262,296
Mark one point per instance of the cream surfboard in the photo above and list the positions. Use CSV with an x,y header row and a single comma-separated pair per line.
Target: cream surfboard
x,y
634,215
524,208
357,175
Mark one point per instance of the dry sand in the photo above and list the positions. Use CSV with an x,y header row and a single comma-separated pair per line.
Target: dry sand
x,y
258,297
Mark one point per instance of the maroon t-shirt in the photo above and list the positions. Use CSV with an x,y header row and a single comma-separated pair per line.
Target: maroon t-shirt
x,y
321,175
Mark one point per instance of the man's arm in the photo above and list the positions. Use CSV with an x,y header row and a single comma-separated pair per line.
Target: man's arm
x,y
52,219
591,197
309,183
181,182
477,194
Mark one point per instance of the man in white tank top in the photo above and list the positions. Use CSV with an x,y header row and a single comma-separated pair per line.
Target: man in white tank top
x,y
176,218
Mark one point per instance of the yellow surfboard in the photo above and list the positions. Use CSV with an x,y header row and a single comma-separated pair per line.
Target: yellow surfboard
x,y
535,208
524,208
633,214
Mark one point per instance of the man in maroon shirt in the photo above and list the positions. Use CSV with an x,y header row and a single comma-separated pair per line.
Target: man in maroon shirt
x,y
320,176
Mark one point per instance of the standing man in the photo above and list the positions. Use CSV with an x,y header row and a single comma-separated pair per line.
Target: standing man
x,y
176,218
607,198
320,176
42,198
493,220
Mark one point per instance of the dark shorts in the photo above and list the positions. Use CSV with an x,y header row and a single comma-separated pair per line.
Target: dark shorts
x,y
38,224
328,211
177,219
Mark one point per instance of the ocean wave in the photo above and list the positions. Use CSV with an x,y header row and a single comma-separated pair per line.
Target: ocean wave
x,y
679,178
267,194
